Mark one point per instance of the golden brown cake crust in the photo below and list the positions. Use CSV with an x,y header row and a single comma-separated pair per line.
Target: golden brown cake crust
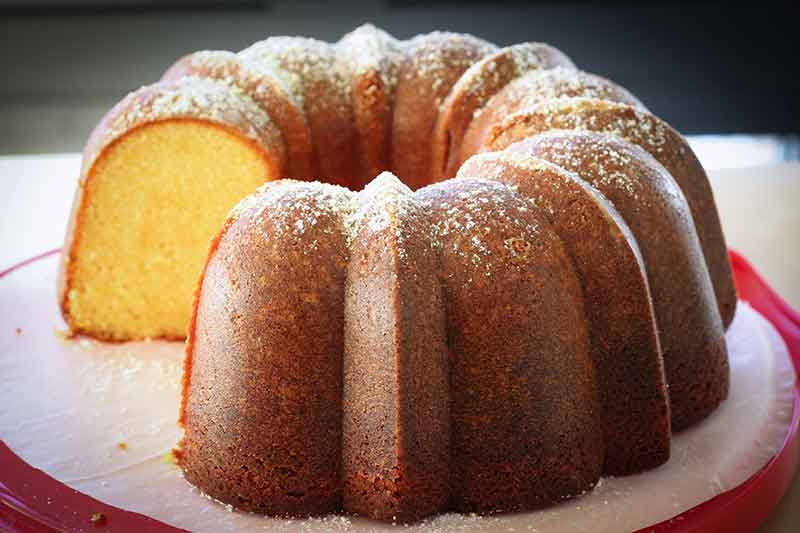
x,y
528,90
396,415
433,64
373,57
281,382
508,282
661,141
690,329
318,79
474,89
624,342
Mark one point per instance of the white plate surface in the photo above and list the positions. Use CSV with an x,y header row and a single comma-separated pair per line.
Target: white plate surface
x,y
100,418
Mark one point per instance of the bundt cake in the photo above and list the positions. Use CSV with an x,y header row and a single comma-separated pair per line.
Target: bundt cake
x,y
493,342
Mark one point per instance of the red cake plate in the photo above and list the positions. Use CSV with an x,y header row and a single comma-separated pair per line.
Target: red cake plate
x,y
86,430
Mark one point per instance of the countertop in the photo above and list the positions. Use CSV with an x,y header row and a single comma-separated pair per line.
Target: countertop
x,y
759,207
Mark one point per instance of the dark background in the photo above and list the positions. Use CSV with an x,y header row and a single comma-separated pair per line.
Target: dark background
x,y
706,67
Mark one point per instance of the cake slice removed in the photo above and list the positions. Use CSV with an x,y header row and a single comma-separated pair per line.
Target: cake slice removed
x,y
160,173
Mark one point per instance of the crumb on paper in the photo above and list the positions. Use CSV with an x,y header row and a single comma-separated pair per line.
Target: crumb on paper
x,y
169,458
98,518
122,445
19,331
63,334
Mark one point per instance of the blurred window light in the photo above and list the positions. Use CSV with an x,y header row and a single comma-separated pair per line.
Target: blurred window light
x,y
737,151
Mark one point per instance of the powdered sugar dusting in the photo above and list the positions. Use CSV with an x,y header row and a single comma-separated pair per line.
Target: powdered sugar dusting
x,y
476,217
381,200
265,84
454,523
368,50
594,159
192,97
590,114
307,66
296,208
262,81
473,217
478,85
441,57
385,204
486,166
483,79
189,97
541,85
